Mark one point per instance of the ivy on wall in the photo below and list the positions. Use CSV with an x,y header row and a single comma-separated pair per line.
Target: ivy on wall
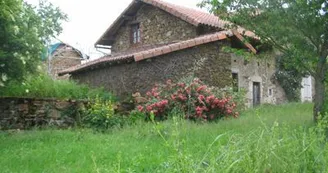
x,y
289,78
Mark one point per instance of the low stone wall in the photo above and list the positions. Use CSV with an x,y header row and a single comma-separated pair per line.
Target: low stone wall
x,y
27,113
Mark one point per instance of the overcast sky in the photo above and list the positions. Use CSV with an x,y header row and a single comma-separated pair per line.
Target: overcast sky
x,y
88,19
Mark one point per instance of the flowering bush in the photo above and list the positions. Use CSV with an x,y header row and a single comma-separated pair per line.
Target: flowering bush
x,y
101,115
194,98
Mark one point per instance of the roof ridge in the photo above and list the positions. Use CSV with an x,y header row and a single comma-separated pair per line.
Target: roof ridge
x,y
190,15
193,20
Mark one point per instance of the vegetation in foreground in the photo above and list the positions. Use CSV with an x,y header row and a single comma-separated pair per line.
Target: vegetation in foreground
x,y
267,139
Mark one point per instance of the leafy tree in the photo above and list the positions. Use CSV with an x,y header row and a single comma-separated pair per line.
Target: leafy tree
x,y
24,30
297,28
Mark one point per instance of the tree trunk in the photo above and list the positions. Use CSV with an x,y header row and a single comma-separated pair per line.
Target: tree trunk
x,y
319,97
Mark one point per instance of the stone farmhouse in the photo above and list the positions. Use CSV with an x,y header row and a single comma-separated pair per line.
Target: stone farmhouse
x,y
62,56
153,41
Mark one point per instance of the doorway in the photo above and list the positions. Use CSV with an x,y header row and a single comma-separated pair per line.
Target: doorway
x,y
256,93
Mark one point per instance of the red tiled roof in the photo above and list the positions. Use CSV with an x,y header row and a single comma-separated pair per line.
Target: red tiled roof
x,y
150,53
192,16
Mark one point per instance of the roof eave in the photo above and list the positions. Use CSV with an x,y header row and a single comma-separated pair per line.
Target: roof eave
x,y
115,25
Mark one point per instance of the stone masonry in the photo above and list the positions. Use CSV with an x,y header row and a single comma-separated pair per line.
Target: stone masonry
x,y
26,113
157,28
259,70
207,62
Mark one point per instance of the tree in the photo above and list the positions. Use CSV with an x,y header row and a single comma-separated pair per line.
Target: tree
x,y
24,31
297,28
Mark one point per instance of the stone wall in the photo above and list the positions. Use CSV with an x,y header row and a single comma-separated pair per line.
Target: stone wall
x,y
26,113
258,70
157,27
206,61
63,58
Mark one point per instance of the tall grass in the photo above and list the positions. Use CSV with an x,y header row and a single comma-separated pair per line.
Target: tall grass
x,y
42,86
266,139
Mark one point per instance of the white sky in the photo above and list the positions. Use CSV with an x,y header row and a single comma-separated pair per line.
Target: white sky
x,y
89,19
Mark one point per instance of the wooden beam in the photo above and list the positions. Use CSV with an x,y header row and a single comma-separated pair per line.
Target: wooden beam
x,y
244,41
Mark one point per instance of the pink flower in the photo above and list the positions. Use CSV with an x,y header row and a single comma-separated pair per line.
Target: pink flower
x,y
201,98
188,90
165,102
173,97
211,97
149,108
182,97
182,85
201,88
216,101
158,104
198,108
140,108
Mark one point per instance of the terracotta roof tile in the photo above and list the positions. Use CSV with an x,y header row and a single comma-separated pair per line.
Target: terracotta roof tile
x,y
190,15
174,47
151,52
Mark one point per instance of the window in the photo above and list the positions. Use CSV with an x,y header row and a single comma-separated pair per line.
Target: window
x,y
235,86
135,34
270,92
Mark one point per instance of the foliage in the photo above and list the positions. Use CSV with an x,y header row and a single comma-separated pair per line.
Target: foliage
x,y
238,97
298,29
42,86
135,117
289,78
23,33
101,115
261,140
195,99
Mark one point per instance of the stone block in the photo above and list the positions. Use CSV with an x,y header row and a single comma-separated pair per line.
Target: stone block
x,y
62,105
23,107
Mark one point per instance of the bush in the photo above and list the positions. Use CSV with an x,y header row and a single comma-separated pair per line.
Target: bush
x,y
238,97
42,86
101,115
135,117
195,99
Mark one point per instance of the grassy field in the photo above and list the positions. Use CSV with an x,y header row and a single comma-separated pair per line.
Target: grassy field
x,y
266,139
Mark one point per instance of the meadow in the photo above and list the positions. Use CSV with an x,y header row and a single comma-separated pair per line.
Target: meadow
x,y
265,139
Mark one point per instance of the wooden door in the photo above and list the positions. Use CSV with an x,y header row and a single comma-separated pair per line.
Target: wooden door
x,y
256,93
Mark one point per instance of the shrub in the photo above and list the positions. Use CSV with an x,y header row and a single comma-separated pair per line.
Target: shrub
x,y
238,97
192,97
101,115
135,117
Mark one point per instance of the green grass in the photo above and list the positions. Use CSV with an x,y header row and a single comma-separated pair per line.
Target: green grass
x,y
267,139
42,86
